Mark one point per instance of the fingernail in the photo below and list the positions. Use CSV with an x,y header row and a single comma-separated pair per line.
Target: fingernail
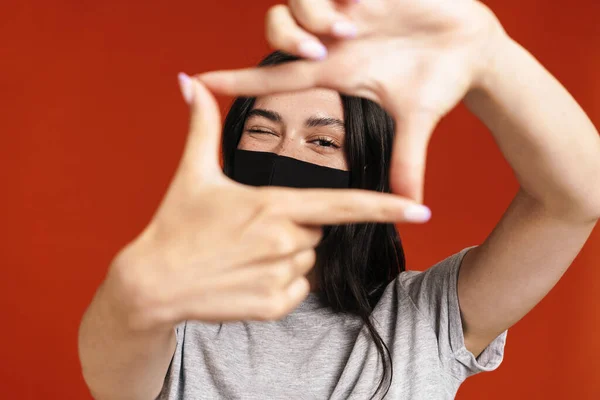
x,y
344,29
417,213
187,87
312,49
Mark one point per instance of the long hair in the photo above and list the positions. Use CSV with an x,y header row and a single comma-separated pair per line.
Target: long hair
x,y
355,262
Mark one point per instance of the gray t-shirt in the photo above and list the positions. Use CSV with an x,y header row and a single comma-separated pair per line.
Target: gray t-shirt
x,y
313,353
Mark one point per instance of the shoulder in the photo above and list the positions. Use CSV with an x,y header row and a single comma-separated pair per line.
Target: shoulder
x,y
438,277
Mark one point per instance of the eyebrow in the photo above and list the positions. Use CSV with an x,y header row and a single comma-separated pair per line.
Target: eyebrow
x,y
268,114
314,122
311,122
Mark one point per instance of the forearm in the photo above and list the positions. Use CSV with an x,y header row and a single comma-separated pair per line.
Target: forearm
x,y
543,133
117,363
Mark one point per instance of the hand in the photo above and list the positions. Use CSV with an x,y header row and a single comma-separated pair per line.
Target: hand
x,y
219,251
417,58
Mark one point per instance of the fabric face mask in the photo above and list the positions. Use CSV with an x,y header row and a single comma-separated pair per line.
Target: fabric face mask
x,y
257,168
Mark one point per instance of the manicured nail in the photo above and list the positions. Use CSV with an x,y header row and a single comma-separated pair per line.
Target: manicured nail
x,y
344,29
417,213
187,87
312,49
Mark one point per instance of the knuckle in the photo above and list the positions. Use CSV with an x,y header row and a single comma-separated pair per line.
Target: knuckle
x,y
306,258
273,308
277,275
283,243
267,290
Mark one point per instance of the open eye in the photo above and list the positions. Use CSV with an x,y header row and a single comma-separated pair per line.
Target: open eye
x,y
325,142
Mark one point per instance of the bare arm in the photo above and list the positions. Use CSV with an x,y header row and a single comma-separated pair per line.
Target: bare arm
x,y
419,59
548,140
197,260
118,362
555,152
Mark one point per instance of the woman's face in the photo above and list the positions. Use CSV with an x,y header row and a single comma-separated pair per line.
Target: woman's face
x,y
307,126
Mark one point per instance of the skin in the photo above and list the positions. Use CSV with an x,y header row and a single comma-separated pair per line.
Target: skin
x,y
285,130
291,137
419,59
196,260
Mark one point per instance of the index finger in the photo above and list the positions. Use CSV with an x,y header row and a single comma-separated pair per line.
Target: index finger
x,y
259,81
346,206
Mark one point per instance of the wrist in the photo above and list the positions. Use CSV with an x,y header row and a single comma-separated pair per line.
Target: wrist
x,y
133,296
493,45
503,64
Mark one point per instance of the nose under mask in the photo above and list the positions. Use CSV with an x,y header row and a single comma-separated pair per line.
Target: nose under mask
x,y
257,168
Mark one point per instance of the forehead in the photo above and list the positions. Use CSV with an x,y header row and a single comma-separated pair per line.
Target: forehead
x,y
319,102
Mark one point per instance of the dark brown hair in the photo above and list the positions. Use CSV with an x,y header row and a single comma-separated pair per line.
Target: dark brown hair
x,y
355,262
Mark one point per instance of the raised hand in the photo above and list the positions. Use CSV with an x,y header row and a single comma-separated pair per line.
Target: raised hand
x,y
216,250
417,58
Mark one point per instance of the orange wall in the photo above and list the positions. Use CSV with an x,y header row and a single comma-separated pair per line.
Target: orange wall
x,y
92,127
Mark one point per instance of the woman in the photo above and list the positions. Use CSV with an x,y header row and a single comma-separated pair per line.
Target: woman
x,y
241,256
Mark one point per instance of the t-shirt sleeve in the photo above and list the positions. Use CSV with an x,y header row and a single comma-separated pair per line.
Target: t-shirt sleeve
x,y
434,293
171,382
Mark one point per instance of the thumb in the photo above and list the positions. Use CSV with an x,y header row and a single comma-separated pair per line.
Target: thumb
x,y
407,174
203,142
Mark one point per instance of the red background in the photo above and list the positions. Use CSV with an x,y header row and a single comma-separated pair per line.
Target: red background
x,y
92,127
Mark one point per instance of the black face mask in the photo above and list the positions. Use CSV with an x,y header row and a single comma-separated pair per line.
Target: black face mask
x,y
257,168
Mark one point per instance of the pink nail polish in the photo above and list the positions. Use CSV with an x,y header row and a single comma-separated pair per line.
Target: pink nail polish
x,y
345,29
312,49
186,85
417,213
